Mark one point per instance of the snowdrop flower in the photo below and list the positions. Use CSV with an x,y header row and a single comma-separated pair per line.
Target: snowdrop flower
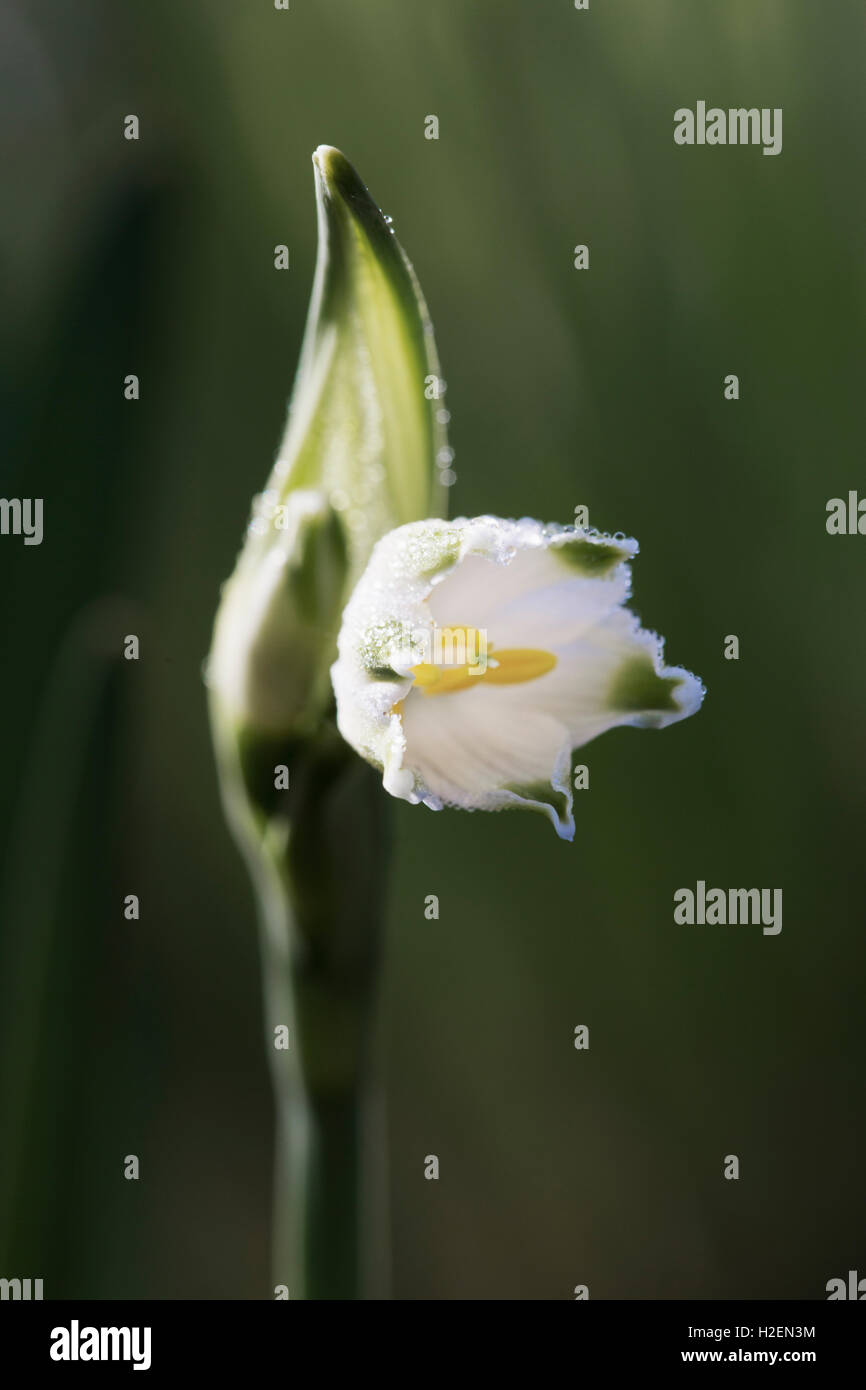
x,y
476,655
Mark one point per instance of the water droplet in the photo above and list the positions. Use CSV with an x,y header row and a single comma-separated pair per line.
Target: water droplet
x,y
445,457
448,477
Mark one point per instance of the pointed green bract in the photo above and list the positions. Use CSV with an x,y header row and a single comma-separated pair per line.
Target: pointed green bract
x,y
358,458
363,423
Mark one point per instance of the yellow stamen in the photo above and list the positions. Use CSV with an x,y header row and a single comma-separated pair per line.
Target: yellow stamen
x,y
513,666
443,680
518,664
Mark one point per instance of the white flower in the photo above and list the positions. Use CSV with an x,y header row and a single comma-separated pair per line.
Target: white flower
x,y
476,655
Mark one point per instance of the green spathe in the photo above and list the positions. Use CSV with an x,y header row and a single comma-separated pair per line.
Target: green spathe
x,y
358,458
360,425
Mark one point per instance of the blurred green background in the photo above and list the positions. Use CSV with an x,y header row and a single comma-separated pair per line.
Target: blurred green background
x,y
602,387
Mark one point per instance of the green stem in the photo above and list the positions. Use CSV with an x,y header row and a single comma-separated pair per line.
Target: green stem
x,y
317,867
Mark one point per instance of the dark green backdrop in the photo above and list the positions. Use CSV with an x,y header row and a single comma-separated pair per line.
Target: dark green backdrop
x,y
602,387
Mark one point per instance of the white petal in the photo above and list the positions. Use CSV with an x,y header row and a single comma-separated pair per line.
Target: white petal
x,y
468,750
528,573
614,674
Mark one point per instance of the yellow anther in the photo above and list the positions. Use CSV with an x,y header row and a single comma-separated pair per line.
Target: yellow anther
x,y
513,666
518,664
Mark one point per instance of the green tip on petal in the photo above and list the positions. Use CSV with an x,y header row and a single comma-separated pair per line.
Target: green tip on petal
x,y
594,558
638,689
